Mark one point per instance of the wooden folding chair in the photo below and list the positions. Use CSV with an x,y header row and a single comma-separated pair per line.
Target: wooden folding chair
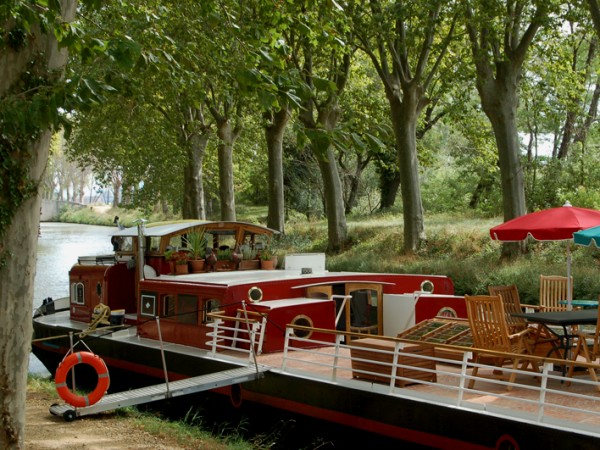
x,y
541,337
588,346
512,305
490,331
553,289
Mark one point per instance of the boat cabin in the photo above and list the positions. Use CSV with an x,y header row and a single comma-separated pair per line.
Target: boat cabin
x,y
303,293
113,279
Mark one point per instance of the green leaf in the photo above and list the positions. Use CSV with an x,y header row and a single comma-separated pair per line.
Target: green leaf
x,y
323,84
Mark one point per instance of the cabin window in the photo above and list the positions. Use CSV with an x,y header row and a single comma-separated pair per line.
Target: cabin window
x,y
153,244
221,239
176,242
126,244
210,305
187,309
168,302
78,293
148,305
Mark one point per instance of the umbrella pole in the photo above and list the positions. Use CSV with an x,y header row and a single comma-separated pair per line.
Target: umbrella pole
x,y
569,287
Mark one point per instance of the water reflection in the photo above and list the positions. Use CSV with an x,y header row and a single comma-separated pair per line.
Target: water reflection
x,y
59,246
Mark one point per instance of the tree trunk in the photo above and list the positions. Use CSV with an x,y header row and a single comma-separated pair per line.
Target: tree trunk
x,y
274,132
567,134
389,183
353,183
193,192
334,202
18,239
404,119
225,153
499,102
595,13
332,185
590,117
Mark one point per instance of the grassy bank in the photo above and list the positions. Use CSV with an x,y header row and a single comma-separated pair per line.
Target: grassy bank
x,y
188,433
457,246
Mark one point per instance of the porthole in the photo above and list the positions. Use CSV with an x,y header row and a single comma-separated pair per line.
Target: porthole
x,y
302,321
255,294
427,286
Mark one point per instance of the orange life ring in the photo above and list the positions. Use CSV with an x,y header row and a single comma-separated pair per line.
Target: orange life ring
x,y
61,377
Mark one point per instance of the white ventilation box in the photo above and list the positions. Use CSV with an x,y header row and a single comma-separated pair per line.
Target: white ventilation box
x,y
305,262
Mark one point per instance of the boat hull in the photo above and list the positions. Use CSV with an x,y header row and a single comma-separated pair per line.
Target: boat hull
x,y
133,363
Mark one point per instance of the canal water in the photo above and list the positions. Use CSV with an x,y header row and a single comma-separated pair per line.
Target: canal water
x,y
59,246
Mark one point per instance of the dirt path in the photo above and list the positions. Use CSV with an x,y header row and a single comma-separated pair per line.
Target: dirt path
x,y
107,431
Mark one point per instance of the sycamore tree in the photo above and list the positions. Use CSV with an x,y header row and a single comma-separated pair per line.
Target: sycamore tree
x,y
500,35
32,91
406,43
322,53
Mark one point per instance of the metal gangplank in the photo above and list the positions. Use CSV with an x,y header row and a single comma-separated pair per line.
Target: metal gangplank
x,y
162,391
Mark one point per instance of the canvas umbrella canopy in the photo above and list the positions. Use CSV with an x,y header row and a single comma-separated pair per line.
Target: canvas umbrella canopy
x,y
554,224
588,237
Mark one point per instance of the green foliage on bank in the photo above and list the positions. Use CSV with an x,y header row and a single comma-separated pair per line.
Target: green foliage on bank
x,y
457,246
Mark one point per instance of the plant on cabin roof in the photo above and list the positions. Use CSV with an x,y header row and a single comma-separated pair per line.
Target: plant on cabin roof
x,y
224,254
177,256
266,254
197,244
248,253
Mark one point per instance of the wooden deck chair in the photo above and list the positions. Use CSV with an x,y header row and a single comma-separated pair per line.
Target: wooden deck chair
x,y
365,296
588,346
490,332
553,289
542,337
512,305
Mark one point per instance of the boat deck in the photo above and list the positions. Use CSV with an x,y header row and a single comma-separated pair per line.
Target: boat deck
x,y
547,397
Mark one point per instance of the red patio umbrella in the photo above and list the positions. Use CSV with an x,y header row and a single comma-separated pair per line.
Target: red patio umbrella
x,y
554,224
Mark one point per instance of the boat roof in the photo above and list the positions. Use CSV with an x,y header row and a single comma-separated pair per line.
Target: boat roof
x,y
241,277
160,229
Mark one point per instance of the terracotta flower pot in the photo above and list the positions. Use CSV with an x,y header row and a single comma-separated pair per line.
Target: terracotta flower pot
x,y
268,264
181,268
197,265
249,264
224,265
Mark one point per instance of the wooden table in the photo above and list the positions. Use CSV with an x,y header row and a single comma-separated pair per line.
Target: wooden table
x,y
564,319
580,302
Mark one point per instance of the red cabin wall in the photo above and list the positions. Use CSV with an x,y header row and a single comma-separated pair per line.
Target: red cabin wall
x,y
321,314
92,278
120,288
230,298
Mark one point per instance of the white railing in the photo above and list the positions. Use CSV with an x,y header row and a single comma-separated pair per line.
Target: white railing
x,y
546,397
243,334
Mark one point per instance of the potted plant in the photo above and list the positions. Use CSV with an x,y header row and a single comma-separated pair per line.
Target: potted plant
x,y
197,246
249,259
224,259
181,263
171,257
268,260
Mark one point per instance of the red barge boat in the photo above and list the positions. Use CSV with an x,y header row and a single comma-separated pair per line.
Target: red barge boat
x,y
327,345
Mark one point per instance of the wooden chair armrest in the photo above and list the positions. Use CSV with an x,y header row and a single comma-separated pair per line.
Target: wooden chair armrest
x,y
521,333
534,307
